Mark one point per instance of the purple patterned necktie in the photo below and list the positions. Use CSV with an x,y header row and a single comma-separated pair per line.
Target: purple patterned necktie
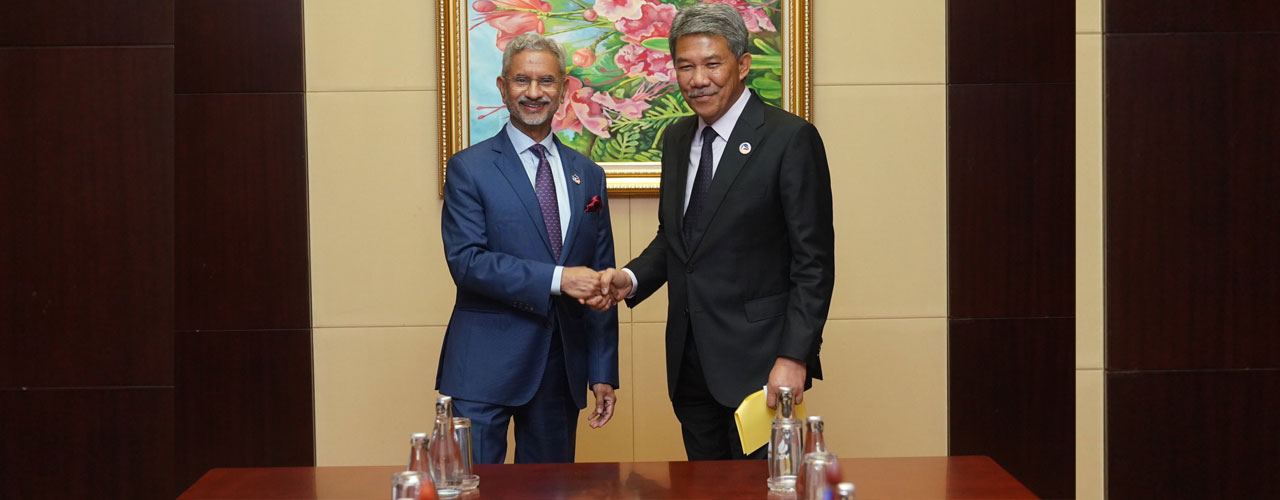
x,y
545,187
701,184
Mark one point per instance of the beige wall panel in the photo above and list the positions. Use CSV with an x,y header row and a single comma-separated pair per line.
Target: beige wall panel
x,y
370,45
620,217
644,225
1088,16
615,441
885,387
373,388
376,256
878,41
887,149
657,432
1090,435
1089,203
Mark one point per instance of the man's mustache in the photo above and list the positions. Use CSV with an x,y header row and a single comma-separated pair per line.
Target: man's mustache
x,y
702,92
540,100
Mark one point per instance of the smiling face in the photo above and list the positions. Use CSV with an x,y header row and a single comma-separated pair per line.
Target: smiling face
x,y
709,76
531,90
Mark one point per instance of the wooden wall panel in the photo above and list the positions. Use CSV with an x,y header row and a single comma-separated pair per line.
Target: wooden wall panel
x,y
1192,184
1011,236
1011,397
1193,361
86,22
1010,41
243,317
86,443
1182,16
1197,434
239,46
244,399
86,190
1011,201
241,212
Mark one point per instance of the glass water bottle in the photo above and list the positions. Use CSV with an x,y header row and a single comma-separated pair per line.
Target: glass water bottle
x,y
784,445
811,482
446,457
844,491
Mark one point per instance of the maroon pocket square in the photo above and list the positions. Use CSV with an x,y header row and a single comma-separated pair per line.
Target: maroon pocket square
x,y
595,205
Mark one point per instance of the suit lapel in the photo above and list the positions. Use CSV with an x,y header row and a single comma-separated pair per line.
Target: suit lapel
x,y
508,162
746,131
675,195
576,192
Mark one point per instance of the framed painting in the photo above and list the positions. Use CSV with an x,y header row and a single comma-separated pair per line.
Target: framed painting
x,y
621,91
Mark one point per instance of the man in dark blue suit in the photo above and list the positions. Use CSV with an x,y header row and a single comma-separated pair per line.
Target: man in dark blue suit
x,y
525,224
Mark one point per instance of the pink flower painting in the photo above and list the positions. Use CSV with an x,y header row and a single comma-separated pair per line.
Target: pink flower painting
x,y
620,89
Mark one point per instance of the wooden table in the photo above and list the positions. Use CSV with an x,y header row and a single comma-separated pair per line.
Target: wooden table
x,y
927,477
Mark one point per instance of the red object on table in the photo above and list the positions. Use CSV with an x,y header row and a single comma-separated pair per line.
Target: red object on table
x,y
925,477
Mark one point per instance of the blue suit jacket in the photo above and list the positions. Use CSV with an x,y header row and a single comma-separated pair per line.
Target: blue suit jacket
x,y
495,348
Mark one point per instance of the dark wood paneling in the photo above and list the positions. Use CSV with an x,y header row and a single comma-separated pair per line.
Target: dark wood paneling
x,y
241,212
86,22
1164,16
1011,397
1010,41
1011,201
244,399
86,190
86,443
1202,434
1192,212
239,46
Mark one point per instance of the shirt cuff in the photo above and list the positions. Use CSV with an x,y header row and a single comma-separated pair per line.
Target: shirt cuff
x,y
634,284
555,280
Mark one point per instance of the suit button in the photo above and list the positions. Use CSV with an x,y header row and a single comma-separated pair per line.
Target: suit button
x,y
689,269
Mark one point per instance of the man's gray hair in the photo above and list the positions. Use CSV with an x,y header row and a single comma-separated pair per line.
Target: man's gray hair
x,y
717,19
531,41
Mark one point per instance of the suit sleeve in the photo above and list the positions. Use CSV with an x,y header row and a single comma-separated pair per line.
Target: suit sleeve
x,y
602,327
805,191
650,267
474,265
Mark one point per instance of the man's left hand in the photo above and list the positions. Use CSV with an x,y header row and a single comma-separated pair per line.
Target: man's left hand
x,y
605,401
786,372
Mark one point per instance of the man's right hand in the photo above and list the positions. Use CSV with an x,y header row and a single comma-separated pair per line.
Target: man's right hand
x,y
615,283
580,282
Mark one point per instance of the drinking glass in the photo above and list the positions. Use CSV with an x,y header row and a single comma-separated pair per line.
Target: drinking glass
x,y
407,485
462,434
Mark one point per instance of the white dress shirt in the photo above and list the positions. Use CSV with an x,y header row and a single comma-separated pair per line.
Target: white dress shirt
x,y
724,128
522,144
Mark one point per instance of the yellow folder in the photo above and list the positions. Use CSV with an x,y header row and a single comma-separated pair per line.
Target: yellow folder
x,y
755,419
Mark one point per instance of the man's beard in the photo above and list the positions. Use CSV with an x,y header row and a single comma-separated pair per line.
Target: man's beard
x,y
518,114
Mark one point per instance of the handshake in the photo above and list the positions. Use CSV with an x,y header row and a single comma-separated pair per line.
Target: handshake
x,y
599,290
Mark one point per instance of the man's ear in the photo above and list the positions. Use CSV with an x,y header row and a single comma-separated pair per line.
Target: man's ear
x,y
744,65
502,87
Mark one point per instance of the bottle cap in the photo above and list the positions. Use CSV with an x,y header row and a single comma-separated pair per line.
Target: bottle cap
x,y
418,437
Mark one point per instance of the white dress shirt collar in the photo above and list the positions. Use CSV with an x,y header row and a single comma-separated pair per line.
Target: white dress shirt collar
x,y
523,142
724,126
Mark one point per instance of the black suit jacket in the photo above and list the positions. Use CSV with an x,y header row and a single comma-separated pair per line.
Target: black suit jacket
x,y
755,281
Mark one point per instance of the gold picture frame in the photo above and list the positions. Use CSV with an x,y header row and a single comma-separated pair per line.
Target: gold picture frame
x,y
456,19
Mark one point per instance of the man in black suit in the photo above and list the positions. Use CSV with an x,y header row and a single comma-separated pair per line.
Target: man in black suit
x,y
745,240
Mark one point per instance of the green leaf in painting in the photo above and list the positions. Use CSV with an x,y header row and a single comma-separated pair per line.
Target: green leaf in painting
x,y
659,44
767,86
765,46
